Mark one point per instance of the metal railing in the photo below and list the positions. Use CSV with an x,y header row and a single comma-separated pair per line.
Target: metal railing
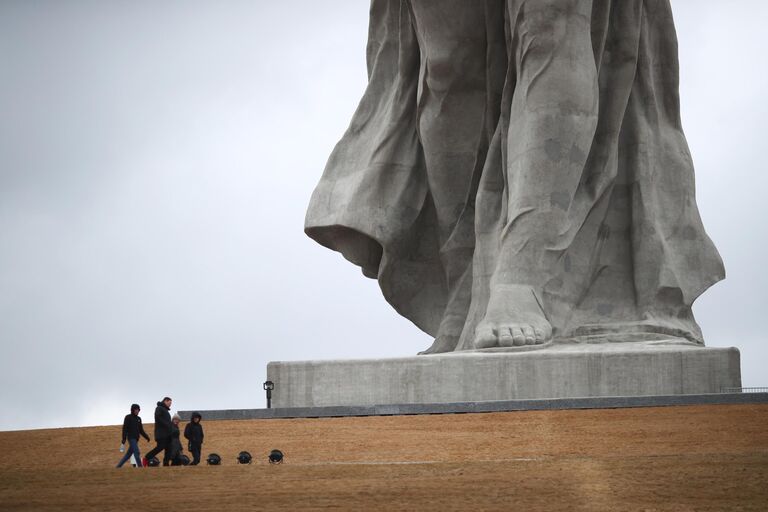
x,y
744,390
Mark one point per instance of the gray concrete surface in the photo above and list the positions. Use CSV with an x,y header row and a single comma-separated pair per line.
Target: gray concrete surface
x,y
610,402
567,370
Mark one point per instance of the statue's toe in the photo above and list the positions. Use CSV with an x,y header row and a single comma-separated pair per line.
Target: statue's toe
x,y
505,337
518,336
485,337
530,337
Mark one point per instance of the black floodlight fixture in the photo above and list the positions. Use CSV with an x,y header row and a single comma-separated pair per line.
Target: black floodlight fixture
x,y
153,462
275,457
213,459
244,457
268,387
184,460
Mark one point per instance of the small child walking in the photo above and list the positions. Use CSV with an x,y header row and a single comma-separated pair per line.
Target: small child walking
x,y
132,429
194,434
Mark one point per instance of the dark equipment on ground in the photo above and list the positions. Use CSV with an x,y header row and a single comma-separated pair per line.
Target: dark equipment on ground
x,y
244,457
275,457
153,462
213,459
184,460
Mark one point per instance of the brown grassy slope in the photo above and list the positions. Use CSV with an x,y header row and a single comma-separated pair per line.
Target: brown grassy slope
x,y
670,458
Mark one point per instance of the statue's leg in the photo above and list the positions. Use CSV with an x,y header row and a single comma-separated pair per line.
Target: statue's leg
x,y
452,100
453,104
552,123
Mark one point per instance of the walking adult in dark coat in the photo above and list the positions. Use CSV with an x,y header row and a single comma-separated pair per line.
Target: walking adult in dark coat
x,y
132,429
194,434
163,429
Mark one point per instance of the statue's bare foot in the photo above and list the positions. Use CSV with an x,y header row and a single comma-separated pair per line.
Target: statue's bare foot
x,y
514,318
447,336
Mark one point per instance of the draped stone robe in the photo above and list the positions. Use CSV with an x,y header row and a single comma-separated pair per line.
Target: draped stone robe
x,y
539,140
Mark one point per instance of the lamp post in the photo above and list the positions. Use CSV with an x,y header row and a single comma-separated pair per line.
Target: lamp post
x,y
268,387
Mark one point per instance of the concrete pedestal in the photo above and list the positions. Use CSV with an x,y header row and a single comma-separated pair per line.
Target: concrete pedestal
x,y
565,370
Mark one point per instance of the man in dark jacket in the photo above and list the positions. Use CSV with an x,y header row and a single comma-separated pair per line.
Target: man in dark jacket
x,y
132,429
194,433
163,428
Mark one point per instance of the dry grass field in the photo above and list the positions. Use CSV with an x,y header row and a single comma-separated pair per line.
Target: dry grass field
x,y
667,458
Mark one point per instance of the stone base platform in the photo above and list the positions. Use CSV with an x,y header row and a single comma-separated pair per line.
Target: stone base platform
x,y
562,370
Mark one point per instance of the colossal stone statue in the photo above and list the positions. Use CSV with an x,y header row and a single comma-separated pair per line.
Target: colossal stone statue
x,y
516,173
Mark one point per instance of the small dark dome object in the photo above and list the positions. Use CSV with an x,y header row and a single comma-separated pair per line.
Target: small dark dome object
x,y
244,457
184,460
153,462
275,457
213,459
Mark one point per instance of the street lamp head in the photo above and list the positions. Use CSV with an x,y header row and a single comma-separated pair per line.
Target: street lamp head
x,y
269,385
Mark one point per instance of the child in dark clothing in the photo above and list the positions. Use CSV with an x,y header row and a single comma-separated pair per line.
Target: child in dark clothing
x,y
132,429
194,433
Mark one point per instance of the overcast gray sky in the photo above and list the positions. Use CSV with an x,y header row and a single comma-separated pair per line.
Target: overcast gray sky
x,y
156,160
